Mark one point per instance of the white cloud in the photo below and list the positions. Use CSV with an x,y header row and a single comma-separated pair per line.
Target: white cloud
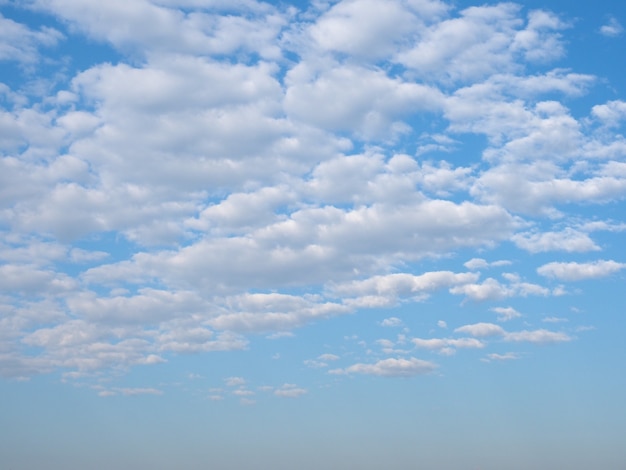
x,y
481,330
574,271
391,322
476,264
506,313
445,345
537,337
611,113
234,381
369,29
389,368
491,289
502,357
483,40
390,287
290,391
612,29
554,320
20,43
568,240
366,102
321,361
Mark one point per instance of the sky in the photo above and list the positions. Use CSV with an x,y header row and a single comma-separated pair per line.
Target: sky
x,y
242,234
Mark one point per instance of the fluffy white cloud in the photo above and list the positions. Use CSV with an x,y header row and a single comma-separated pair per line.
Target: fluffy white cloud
x,y
385,290
391,322
537,337
481,330
492,289
389,368
569,240
579,271
19,43
483,40
290,391
506,313
370,30
501,357
446,344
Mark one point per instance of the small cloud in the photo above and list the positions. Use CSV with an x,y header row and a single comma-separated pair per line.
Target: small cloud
x,y
537,337
391,322
442,324
506,313
447,346
280,334
612,29
481,330
501,357
290,391
243,392
580,271
216,397
554,320
234,381
152,359
585,328
313,364
478,263
321,361
389,368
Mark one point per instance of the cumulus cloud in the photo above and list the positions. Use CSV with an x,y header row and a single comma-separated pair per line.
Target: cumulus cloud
x,y
569,240
612,29
246,168
389,368
501,357
537,337
20,43
506,313
290,391
574,271
481,330
391,322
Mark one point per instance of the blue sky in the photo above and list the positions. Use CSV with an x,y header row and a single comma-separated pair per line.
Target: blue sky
x,y
326,234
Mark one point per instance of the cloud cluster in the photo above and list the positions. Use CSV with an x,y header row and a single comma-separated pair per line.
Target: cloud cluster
x,y
247,167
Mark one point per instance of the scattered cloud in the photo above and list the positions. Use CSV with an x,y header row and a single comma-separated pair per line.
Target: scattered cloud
x,y
574,271
290,391
139,226
389,368
612,29
506,313
537,337
391,322
481,330
493,357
